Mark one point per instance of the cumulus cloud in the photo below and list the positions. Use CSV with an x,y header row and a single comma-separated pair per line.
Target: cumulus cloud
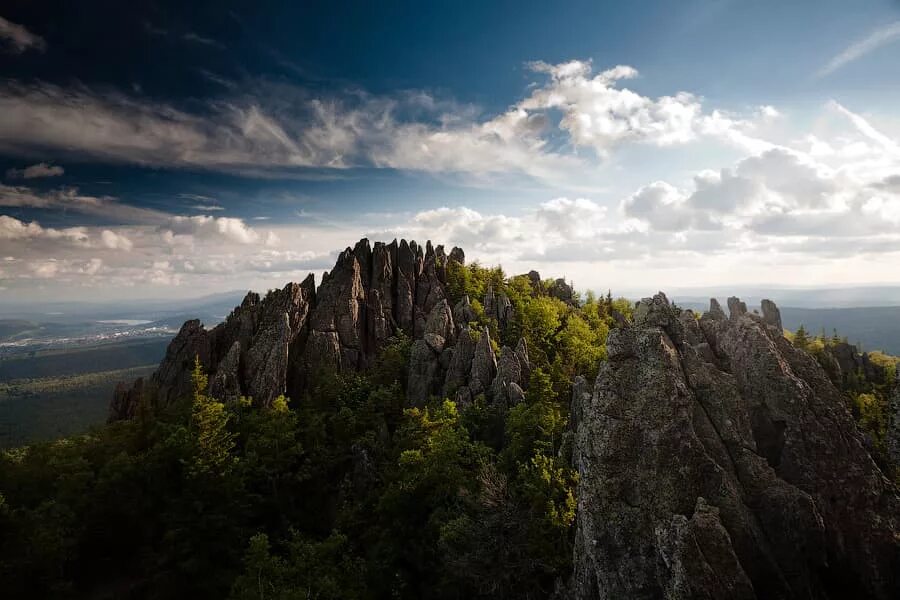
x,y
14,229
35,171
115,241
17,39
790,200
232,229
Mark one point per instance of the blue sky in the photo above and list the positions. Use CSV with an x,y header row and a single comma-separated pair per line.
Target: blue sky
x,y
174,150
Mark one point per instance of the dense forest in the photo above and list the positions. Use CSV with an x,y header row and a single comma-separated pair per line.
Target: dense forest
x,y
346,492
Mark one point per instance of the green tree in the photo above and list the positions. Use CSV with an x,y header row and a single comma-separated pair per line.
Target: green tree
x,y
801,338
209,426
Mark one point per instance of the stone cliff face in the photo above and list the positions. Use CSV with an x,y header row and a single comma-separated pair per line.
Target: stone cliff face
x,y
269,346
718,461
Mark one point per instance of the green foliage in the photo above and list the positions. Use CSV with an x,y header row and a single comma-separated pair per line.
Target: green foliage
x,y
872,412
214,441
308,569
801,338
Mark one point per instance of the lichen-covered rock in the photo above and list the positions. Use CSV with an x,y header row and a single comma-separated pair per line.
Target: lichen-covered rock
x,y
463,313
423,371
226,383
509,371
771,314
460,362
739,477
484,365
440,321
340,307
266,362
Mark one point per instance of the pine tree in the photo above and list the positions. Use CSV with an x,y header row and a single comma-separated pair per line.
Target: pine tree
x,y
835,338
214,442
801,338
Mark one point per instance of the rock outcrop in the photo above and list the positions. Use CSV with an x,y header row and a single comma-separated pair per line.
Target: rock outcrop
x,y
273,345
893,425
718,461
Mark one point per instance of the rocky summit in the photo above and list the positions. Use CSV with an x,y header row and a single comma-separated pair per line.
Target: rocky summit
x,y
716,460
269,346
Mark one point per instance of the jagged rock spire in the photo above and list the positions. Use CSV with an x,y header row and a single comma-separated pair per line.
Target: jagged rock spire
x,y
270,345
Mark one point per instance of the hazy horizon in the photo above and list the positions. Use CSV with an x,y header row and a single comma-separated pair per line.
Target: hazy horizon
x,y
159,152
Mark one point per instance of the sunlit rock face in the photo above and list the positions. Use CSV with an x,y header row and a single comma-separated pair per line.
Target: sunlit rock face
x,y
718,461
272,345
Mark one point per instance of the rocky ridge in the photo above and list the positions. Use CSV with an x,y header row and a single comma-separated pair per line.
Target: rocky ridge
x,y
718,461
271,345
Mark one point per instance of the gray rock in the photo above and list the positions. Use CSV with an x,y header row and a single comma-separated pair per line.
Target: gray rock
x,y
423,371
266,361
225,385
435,342
771,314
509,371
463,313
515,394
715,310
484,365
172,379
747,480
460,362
440,321
736,308
407,273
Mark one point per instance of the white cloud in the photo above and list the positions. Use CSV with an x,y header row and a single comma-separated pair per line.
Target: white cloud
x,y
14,229
877,38
281,128
18,39
115,241
232,229
35,171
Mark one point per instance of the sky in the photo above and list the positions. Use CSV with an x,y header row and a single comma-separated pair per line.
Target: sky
x,y
173,150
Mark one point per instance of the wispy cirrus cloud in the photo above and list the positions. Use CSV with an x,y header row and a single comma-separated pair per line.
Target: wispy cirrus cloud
x,y
17,39
567,121
877,38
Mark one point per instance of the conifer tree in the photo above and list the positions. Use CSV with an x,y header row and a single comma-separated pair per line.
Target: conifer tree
x,y
801,338
209,422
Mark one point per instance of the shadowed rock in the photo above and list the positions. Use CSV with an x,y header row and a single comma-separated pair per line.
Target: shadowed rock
x,y
720,462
